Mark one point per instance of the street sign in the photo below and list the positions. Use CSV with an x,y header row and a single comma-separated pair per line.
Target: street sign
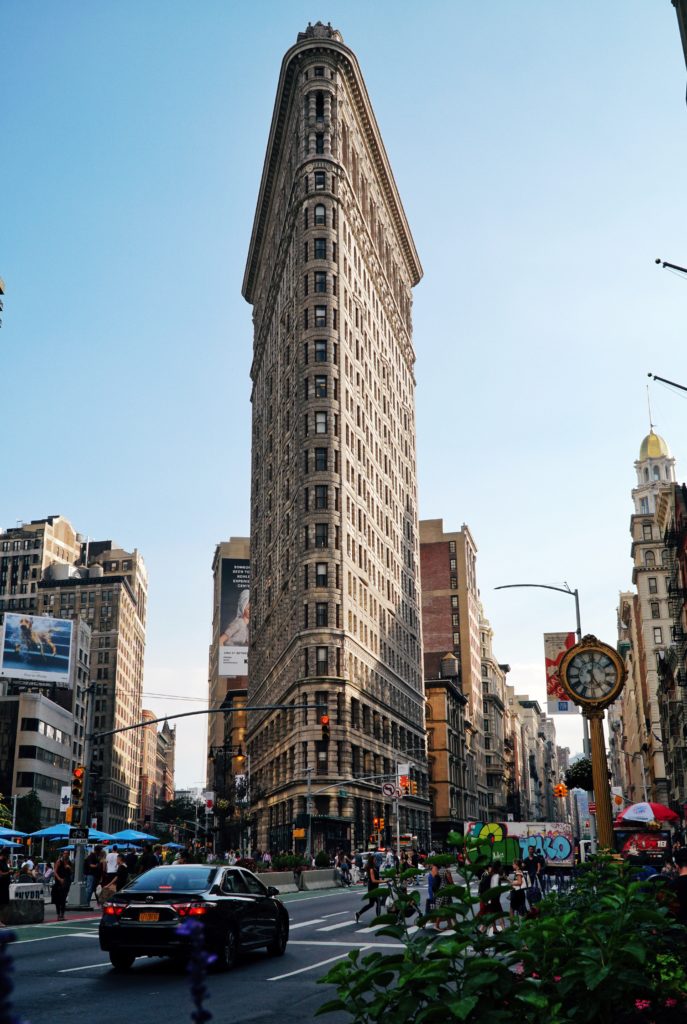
x,y
299,833
388,789
78,835
343,793
592,808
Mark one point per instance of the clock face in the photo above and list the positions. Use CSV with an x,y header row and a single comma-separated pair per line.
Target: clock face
x,y
592,675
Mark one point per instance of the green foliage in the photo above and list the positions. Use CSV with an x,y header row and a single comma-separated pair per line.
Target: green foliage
x,y
579,775
28,812
5,815
585,958
284,862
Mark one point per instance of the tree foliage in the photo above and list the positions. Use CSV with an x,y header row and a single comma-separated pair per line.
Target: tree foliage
x,y
603,952
579,775
29,809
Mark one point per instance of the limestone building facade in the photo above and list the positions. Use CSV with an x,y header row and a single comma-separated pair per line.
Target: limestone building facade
x,y
335,621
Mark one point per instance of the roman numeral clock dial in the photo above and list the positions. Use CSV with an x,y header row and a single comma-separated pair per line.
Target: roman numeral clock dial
x,y
592,673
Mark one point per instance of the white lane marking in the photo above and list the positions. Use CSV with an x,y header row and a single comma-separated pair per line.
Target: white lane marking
x,y
312,967
339,913
86,967
335,927
304,924
323,896
349,945
62,935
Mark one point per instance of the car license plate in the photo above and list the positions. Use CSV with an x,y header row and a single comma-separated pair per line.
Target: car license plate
x,y
149,915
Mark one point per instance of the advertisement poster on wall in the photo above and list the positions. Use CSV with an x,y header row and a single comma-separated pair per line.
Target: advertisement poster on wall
x,y
555,646
36,647
234,617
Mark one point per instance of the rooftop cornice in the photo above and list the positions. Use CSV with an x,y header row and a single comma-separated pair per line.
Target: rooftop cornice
x,y
348,64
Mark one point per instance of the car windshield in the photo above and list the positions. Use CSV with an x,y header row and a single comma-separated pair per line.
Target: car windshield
x,y
175,878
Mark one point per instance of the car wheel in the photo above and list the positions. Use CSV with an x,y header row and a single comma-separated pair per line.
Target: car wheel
x,y
229,951
277,946
121,961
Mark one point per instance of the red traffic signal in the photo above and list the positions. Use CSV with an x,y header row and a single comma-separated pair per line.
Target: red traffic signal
x,y
324,722
78,778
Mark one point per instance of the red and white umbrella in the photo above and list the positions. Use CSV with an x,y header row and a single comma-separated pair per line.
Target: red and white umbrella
x,y
646,812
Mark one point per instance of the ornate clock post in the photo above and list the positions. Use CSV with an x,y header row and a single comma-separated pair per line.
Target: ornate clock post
x,y
592,673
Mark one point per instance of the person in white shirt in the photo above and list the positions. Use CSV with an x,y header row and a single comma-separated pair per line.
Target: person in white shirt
x,y
111,864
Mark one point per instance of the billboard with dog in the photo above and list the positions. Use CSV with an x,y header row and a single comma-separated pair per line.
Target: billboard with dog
x,y
234,617
36,647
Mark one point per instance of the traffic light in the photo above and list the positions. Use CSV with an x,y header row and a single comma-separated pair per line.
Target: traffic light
x,y
78,778
404,783
413,787
564,790
375,823
560,790
324,722
381,823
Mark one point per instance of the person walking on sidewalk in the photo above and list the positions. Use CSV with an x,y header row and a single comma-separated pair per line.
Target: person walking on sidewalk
x,y
372,876
62,880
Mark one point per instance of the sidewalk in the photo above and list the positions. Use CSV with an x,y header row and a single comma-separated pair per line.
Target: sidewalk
x,y
72,913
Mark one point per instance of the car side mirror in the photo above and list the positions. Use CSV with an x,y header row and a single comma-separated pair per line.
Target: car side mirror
x,y
215,890
272,890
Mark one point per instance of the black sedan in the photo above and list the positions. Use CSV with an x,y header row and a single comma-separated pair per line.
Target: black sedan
x,y
238,913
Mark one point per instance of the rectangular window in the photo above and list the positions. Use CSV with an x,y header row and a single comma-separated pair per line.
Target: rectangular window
x,y
320,574
453,565
319,72
320,281
655,610
452,547
322,665
454,601
320,422
320,387
305,284
305,616
322,613
454,583
319,146
321,496
319,181
305,577
321,351
321,215
487,743
456,639
646,531
321,535
653,585
320,316
306,537
658,635
320,248
321,459
305,319
454,619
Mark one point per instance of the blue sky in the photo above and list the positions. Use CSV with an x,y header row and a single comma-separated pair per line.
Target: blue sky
x,y
540,152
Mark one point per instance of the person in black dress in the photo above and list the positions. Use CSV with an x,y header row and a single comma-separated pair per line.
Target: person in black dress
x,y
62,880
372,883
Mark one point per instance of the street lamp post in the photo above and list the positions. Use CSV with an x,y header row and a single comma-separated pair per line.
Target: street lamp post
x,y
565,589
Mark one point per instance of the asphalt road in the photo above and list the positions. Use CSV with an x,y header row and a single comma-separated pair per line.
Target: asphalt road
x,y
60,971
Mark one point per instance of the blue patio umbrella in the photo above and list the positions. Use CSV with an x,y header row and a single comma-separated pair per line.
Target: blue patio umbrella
x,y
61,831
130,835
6,844
173,846
4,832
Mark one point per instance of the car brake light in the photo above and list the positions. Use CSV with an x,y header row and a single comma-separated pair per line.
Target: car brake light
x,y
113,909
190,909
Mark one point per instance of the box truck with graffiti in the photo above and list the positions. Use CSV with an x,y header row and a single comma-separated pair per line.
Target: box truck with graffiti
x,y
512,839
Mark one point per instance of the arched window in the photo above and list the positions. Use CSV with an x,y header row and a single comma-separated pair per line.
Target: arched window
x,y
657,472
649,558
664,557
320,214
